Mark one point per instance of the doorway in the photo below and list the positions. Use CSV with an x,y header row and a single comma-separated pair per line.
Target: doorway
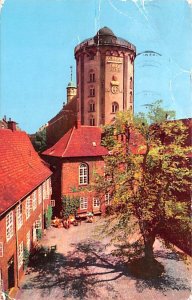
x,y
11,277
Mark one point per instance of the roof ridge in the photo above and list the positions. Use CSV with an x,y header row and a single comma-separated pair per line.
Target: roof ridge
x,y
68,141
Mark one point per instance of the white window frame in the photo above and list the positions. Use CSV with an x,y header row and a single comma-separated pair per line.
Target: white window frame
x,y
83,203
44,191
28,240
20,255
28,207
19,210
9,226
96,202
107,199
52,202
1,249
34,200
39,194
83,174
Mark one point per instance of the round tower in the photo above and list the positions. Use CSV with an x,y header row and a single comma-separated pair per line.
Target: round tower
x,y
105,77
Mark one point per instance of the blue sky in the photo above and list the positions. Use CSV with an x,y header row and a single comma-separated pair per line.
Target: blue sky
x,y
37,48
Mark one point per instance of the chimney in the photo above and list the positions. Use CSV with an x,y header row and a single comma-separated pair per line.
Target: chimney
x,y
12,125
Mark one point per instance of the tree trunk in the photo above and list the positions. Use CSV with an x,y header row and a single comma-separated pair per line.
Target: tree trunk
x,y
148,250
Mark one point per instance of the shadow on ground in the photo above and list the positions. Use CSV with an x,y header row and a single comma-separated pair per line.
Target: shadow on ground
x,y
87,268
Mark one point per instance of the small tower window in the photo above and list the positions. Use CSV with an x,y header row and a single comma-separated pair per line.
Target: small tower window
x,y
131,97
131,83
92,121
92,92
115,107
92,77
92,106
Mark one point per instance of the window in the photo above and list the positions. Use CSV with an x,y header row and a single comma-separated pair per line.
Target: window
x,y
131,83
34,200
44,191
28,241
52,203
91,77
34,232
91,56
96,202
107,199
1,281
28,207
9,226
19,216
20,255
1,249
83,174
48,188
92,92
115,107
92,121
92,106
39,194
131,97
83,203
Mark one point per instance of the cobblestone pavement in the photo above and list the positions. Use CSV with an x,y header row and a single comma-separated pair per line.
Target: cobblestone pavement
x,y
84,268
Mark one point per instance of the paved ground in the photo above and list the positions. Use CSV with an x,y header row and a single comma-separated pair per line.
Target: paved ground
x,y
83,268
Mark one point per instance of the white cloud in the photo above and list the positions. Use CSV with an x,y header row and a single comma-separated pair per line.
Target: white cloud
x,y
1,3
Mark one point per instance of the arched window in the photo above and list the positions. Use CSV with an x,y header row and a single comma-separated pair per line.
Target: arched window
x,y
92,92
92,106
91,76
131,82
92,121
115,107
131,97
83,173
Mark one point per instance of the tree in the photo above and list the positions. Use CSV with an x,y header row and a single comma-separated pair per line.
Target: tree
x,y
40,141
146,170
70,206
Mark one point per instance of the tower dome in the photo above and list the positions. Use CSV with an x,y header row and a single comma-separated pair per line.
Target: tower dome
x,y
104,35
105,31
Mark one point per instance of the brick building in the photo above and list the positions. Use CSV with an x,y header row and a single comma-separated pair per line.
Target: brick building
x,y
74,159
25,193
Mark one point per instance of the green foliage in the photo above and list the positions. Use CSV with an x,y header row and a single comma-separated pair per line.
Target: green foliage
x,y
145,182
40,142
39,234
26,255
70,205
48,216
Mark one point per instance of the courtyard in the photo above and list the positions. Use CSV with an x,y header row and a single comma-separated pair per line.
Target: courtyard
x,y
83,267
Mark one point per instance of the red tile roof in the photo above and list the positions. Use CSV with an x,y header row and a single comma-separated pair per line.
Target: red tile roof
x,y
21,168
79,142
